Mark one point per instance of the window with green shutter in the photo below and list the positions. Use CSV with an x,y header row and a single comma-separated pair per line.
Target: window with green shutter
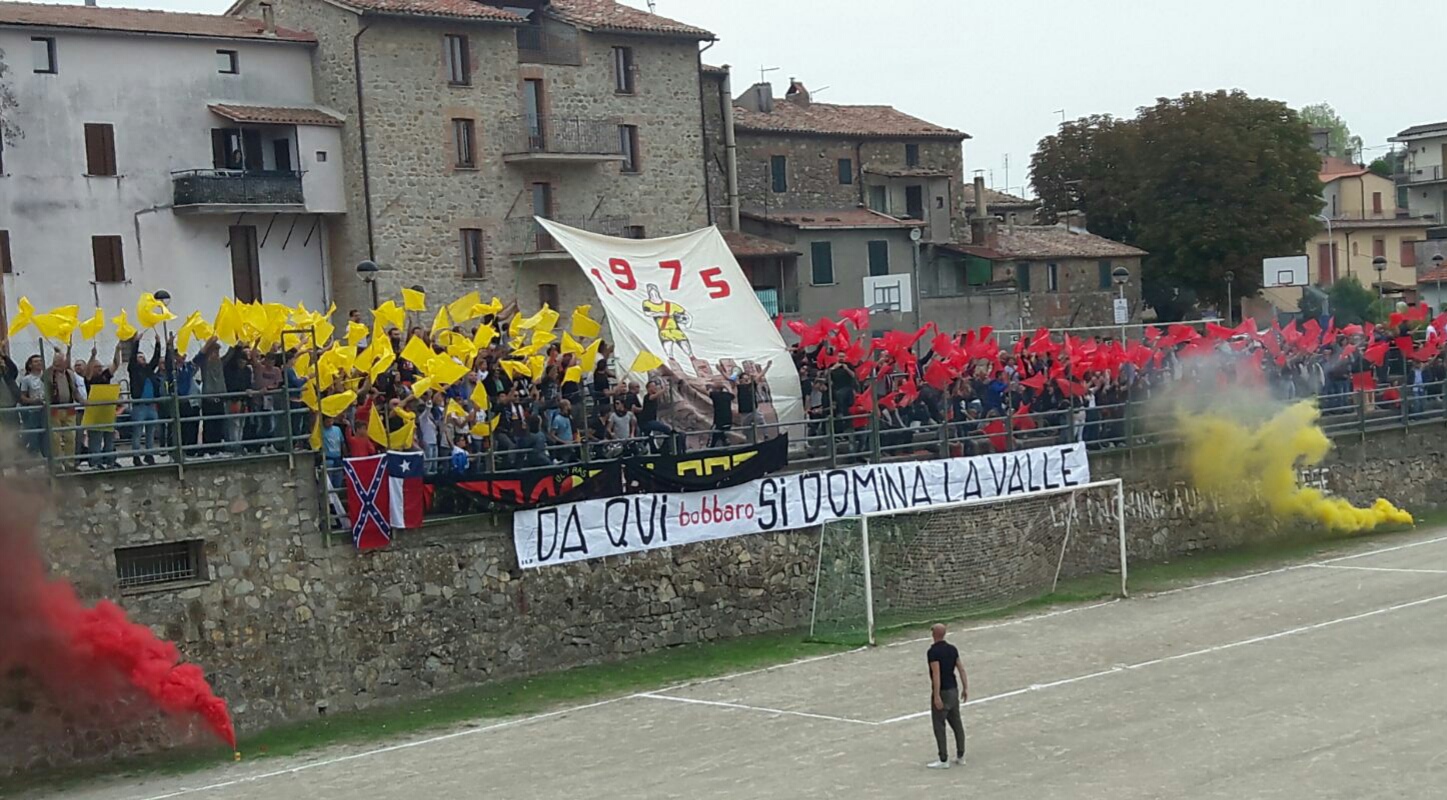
x,y
1105,278
1022,275
821,263
846,171
978,271
878,258
779,173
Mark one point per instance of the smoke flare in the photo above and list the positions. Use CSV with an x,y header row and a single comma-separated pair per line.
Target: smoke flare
x,y
1235,460
47,631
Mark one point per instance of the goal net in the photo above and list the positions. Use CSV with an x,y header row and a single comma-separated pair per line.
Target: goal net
x,y
894,570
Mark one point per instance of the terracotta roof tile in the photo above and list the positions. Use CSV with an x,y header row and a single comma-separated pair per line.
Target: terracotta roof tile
x,y
277,115
1434,275
998,199
747,245
1355,224
1054,241
710,69
607,15
463,9
131,20
907,172
826,119
835,218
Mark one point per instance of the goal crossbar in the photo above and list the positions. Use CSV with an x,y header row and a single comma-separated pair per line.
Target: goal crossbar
x,y
1115,483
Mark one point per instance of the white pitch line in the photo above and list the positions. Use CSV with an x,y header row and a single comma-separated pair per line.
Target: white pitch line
x,y
1180,656
1383,569
742,707
1008,623
1380,550
745,673
379,751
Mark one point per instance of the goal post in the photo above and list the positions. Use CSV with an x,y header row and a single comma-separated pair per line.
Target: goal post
x,y
897,569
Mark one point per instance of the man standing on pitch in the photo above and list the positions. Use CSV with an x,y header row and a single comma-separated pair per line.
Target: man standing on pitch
x,y
946,696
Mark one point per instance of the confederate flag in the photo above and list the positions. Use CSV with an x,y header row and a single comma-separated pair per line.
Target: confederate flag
x,y
384,492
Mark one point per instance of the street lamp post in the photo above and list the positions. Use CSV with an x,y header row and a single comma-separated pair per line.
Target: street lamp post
x,y
1437,271
1121,276
367,271
1230,276
1380,265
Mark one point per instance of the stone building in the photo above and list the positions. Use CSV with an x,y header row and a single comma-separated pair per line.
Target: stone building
x,y
160,151
466,119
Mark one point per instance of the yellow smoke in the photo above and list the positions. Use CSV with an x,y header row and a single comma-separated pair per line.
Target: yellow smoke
x,y
1235,460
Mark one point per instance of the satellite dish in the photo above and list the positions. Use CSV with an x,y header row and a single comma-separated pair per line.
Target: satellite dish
x,y
915,234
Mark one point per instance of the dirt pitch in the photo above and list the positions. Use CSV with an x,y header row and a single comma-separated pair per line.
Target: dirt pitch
x,y
1319,680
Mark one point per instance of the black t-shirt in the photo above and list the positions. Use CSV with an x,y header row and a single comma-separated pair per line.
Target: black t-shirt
x,y
723,402
748,402
649,411
946,655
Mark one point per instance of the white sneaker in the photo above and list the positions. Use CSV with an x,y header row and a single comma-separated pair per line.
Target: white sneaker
x,y
937,765
959,761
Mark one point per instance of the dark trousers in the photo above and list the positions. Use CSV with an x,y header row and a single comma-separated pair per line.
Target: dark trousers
x,y
213,423
949,714
189,423
720,437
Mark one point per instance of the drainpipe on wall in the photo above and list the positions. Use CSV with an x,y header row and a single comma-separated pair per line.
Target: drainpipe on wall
x,y
703,130
859,171
731,148
362,134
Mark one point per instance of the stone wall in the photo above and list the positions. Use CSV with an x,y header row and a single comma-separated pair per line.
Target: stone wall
x,y
286,624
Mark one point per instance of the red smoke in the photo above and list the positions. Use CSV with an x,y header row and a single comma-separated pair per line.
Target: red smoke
x,y
70,647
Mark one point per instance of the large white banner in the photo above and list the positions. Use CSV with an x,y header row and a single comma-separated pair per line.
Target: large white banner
x,y
634,523
685,300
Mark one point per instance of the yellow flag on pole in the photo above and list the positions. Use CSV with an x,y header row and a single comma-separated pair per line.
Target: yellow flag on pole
x,y
584,326
645,362
97,323
413,300
124,330
25,315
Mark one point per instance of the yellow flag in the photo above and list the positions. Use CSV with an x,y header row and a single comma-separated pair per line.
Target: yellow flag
x,y
484,336
444,371
455,409
151,312
25,315
515,326
332,405
492,306
322,331
97,323
544,338
645,362
537,365
462,349
185,333
527,350
464,308
584,326
315,440
423,385
388,314
484,428
356,332
479,397
303,364
382,357
544,320
570,345
573,375
309,395
413,300
589,360
417,352
515,368
124,330
441,322
399,439
228,323
58,324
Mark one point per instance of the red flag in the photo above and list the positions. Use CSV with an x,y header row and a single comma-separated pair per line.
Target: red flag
x,y
908,391
1395,319
1376,353
938,375
863,404
858,316
1352,330
1363,382
1418,313
1036,381
1152,333
863,371
1214,331
1404,343
995,432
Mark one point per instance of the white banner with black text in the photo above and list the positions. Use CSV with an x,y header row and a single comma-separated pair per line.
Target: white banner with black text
x,y
635,523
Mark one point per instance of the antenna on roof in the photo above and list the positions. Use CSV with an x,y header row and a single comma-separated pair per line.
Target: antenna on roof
x,y
652,6
764,73
1061,112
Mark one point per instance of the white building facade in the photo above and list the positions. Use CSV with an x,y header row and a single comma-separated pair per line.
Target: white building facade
x,y
182,152
1422,177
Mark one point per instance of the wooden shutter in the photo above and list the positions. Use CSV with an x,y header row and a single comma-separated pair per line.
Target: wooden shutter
x,y
1022,275
821,263
6,267
109,262
878,257
218,148
1105,277
1409,253
100,149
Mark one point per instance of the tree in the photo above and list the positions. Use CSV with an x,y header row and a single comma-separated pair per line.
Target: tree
x,y
1206,183
1352,303
1342,144
1385,165
10,132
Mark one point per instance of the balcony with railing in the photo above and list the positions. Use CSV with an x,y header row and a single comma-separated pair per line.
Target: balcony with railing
x,y
1430,174
548,43
525,239
561,140
224,191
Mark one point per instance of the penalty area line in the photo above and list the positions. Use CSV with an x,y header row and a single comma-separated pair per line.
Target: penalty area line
x,y
760,709
1181,656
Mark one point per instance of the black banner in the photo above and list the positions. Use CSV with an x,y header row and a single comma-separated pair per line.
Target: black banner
x,y
706,469
472,493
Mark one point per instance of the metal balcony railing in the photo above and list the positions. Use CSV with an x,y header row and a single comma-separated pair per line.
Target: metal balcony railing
x,y
236,187
569,136
524,236
1421,175
548,44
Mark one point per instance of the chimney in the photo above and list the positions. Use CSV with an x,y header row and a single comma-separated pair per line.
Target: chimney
x,y
90,3
1074,221
759,97
797,93
268,18
984,228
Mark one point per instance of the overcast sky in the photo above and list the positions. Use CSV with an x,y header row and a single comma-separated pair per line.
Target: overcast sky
x,y
1002,71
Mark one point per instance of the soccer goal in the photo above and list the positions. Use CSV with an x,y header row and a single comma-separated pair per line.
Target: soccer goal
x,y
893,570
